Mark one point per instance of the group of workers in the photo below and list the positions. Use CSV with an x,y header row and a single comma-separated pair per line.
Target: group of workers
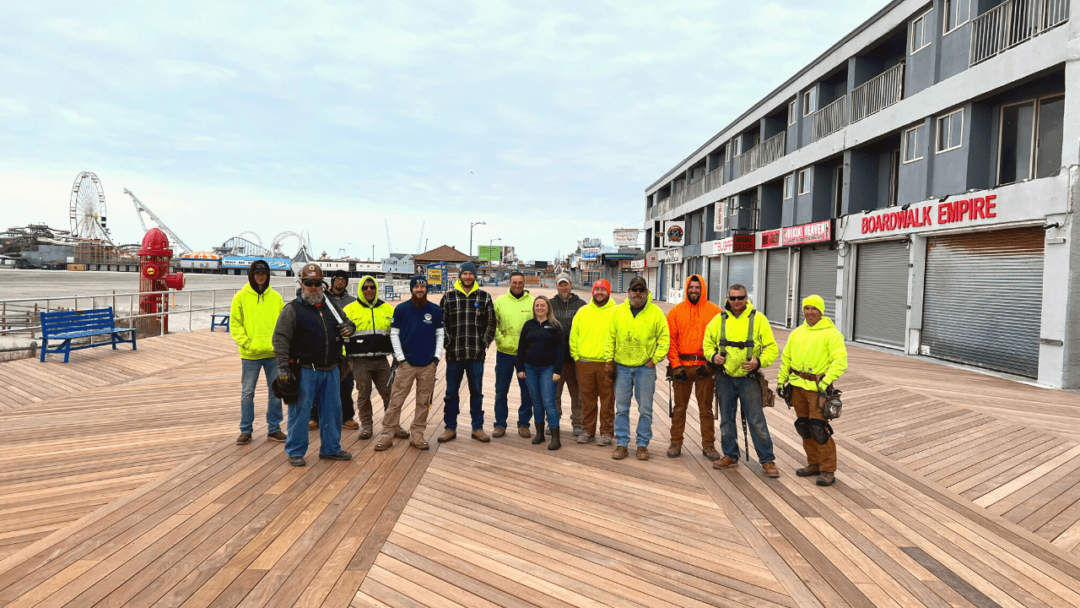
x,y
314,350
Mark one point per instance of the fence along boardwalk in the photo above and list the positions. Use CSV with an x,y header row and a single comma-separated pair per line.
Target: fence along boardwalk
x,y
509,523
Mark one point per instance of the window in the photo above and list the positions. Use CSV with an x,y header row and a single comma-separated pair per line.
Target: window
x,y
804,181
950,131
956,14
911,143
727,153
736,144
789,186
809,102
920,35
792,113
1031,138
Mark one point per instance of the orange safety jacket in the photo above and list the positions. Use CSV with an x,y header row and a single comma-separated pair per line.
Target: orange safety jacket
x,y
687,323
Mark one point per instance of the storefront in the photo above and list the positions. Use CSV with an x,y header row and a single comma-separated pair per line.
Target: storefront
x,y
932,278
777,273
817,264
652,264
731,262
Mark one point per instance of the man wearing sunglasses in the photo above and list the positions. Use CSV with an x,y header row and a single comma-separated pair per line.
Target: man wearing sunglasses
x,y
637,340
309,334
730,344
367,350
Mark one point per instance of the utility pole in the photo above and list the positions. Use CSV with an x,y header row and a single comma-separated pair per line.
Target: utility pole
x,y
471,226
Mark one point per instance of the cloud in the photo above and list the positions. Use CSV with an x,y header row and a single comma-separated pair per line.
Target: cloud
x,y
545,120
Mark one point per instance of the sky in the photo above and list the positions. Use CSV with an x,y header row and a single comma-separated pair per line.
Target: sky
x,y
545,120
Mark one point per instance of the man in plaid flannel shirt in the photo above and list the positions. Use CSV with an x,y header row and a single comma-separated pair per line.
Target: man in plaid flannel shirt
x,y
469,318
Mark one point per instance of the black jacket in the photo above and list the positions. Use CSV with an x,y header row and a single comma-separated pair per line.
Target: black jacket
x,y
308,335
564,313
540,345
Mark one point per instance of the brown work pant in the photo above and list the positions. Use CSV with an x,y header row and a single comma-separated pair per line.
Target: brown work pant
x,y
703,389
824,456
403,382
569,379
370,372
594,383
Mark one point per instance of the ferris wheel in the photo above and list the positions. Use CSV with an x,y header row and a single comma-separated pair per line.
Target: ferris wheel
x,y
87,208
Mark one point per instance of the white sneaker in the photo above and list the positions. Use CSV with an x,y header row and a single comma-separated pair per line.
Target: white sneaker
x,y
604,441
584,437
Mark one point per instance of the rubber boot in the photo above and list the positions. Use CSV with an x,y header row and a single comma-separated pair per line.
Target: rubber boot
x,y
555,442
539,435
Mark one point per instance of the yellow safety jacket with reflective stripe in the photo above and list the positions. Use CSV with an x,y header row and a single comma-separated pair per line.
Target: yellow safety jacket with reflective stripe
x,y
372,319
815,350
736,330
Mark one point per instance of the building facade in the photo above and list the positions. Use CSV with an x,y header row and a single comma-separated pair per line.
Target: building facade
x,y
921,176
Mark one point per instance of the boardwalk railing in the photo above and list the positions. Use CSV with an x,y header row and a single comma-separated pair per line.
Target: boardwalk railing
x,y
831,118
1012,23
878,93
766,152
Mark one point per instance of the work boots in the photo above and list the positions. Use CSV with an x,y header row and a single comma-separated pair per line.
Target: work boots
x,y
556,443
480,436
447,435
539,435
808,471
524,432
674,450
826,478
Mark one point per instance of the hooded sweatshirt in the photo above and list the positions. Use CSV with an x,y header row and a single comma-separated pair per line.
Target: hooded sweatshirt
x,y
635,339
815,350
736,330
253,314
344,299
470,322
372,319
687,323
512,313
589,333
564,313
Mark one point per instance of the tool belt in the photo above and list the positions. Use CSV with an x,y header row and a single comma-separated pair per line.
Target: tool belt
x,y
693,358
807,376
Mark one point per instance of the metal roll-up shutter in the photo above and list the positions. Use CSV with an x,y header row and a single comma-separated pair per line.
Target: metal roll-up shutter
x,y
740,271
817,275
776,279
966,275
881,293
716,289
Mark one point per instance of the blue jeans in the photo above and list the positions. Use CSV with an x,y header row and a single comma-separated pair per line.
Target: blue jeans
x,y
324,389
504,374
249,377
542,392
637,382
455,370
748,392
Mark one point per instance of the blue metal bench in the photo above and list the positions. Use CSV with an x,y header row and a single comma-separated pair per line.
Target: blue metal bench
x,y
390,294
220,319
67,325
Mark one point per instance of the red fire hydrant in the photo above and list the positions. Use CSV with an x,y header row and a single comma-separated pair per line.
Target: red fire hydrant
x,y
154,256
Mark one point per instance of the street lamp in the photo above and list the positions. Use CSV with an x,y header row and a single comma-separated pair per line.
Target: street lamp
x,y
471,226
490,241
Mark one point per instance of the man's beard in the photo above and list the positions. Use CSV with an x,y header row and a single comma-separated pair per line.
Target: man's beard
x,y
419,300
312,297
694,297
600,302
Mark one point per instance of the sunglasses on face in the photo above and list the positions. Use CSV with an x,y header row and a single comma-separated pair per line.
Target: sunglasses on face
x,y
736,298
312,283
368,287
638,290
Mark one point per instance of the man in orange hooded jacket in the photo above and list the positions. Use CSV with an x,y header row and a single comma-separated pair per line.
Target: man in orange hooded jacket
x,y
686,358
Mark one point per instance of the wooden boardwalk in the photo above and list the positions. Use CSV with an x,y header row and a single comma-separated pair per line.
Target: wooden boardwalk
x,y
124,489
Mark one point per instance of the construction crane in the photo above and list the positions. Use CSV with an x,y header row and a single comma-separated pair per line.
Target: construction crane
x,y
140,208
389,247
421,241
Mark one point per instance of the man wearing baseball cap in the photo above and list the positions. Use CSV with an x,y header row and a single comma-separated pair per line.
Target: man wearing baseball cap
x,y
587,340
564,306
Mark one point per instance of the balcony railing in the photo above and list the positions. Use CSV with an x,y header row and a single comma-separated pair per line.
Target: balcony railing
x,y
764,153
831,118
1012,23
715,179
878,93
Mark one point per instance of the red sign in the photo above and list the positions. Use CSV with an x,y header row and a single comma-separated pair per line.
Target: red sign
x,y
948,212
743,243
808,233
769,239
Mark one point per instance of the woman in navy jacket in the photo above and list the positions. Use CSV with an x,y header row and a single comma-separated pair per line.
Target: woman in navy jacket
x,y
539,355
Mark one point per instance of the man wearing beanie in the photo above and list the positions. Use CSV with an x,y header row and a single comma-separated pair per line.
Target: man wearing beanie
x,y
512,310
637,340
564,306
416,334
815,356
252,318
338,294
741,341
469,316
587,339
